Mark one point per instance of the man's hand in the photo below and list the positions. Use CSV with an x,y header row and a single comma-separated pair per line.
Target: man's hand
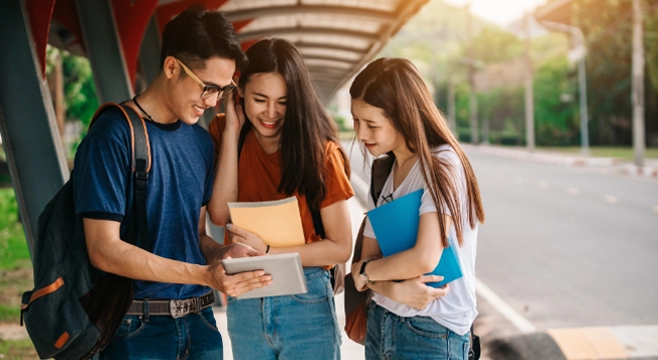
x,y
237,284
416,293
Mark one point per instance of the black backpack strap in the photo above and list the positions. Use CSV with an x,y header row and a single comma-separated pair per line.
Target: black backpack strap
x,y
141,167
381,168
243,135
474,350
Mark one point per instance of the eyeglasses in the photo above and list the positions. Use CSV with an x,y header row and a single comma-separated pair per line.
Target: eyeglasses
x,y
387,199
208,90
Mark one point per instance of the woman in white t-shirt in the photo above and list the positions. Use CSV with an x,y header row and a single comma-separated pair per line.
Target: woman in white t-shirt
x,y
394,114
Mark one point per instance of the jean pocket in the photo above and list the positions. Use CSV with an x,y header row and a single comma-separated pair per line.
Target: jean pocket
x,y
130,326
426,326
206,321
318,291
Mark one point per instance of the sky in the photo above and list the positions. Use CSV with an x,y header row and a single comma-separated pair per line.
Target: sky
x,y
501,12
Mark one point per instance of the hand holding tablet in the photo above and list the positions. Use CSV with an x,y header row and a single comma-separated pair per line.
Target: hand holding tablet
x,y
286,271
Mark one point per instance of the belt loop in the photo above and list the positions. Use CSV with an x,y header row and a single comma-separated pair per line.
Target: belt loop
x,y
146,310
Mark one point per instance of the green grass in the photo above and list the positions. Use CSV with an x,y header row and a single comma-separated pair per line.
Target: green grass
x,y
15,264
14,253
17,350
624,153
10,314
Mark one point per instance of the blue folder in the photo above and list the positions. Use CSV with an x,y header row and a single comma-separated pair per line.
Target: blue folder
x,y
396,228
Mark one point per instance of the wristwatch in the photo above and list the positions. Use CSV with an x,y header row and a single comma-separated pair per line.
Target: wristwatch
x,y
362,273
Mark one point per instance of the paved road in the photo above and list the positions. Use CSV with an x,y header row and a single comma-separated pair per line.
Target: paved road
x,y
569,246
565,246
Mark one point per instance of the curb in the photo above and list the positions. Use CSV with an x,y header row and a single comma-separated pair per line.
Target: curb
x,y
641,171
544,157
614,342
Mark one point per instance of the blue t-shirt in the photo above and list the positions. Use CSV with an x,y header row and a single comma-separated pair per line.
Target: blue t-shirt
x,y
178,185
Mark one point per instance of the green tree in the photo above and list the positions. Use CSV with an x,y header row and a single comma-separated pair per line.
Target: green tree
x,y
556,110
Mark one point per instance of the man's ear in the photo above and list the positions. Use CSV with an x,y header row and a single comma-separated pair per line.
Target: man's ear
x,y
170,67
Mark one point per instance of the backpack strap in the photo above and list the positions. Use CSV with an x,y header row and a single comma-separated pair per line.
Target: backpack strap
x,y
381,168
141,165
379,172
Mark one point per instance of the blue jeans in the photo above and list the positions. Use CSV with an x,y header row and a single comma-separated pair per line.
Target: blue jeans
x,y
194,336
390,336
300,326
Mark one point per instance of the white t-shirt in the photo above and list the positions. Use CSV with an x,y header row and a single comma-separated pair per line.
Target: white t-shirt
x,y
456,310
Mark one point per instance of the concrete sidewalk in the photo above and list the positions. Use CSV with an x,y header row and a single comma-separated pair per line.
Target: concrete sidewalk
x,y
650,169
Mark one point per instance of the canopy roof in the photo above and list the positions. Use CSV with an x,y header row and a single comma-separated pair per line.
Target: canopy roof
x,y
336,37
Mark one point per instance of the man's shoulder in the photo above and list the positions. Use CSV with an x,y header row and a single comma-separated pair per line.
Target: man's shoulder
x,y
110,122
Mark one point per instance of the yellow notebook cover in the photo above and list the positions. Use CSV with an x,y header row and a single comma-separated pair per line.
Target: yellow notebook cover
x,y
277,222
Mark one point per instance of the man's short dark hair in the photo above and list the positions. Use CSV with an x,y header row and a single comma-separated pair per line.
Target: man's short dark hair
x,y
197,34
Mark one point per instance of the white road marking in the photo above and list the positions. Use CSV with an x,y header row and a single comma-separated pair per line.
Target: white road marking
x,y
503,308
572,191
542,184
610,199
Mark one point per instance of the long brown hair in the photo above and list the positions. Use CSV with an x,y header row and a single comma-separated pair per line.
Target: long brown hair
x,y
395,86
306,127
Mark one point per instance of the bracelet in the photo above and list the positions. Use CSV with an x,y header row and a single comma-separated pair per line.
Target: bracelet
x,y
267,250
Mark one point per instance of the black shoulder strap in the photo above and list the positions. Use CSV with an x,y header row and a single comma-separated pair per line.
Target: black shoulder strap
x,y
141,167
243,135
381,168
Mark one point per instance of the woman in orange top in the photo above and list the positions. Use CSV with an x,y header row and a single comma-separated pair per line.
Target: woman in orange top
x,y
290,148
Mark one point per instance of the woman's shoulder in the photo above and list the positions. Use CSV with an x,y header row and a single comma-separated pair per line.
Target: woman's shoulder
x,y
446,152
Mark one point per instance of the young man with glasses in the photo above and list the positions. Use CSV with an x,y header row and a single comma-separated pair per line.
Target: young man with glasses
x,y
170,316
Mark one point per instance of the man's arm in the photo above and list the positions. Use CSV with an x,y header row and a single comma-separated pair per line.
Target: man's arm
x,y
109,253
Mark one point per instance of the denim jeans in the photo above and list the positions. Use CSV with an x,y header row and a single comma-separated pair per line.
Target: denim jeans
x,y
390,336
194,336
300,326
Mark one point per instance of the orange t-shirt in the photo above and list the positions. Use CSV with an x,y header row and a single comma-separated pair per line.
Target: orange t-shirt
x,y
259,175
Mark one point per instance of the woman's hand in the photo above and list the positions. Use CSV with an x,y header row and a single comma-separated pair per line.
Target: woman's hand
x,y
241,236
234,111
416,293
359,284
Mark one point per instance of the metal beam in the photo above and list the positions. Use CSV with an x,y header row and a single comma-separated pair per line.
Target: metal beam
x,y
149,53
347,11
329,58
309,44
101,39
30,134
329,31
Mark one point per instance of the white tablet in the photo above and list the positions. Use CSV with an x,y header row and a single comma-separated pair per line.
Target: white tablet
x,y
286,270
